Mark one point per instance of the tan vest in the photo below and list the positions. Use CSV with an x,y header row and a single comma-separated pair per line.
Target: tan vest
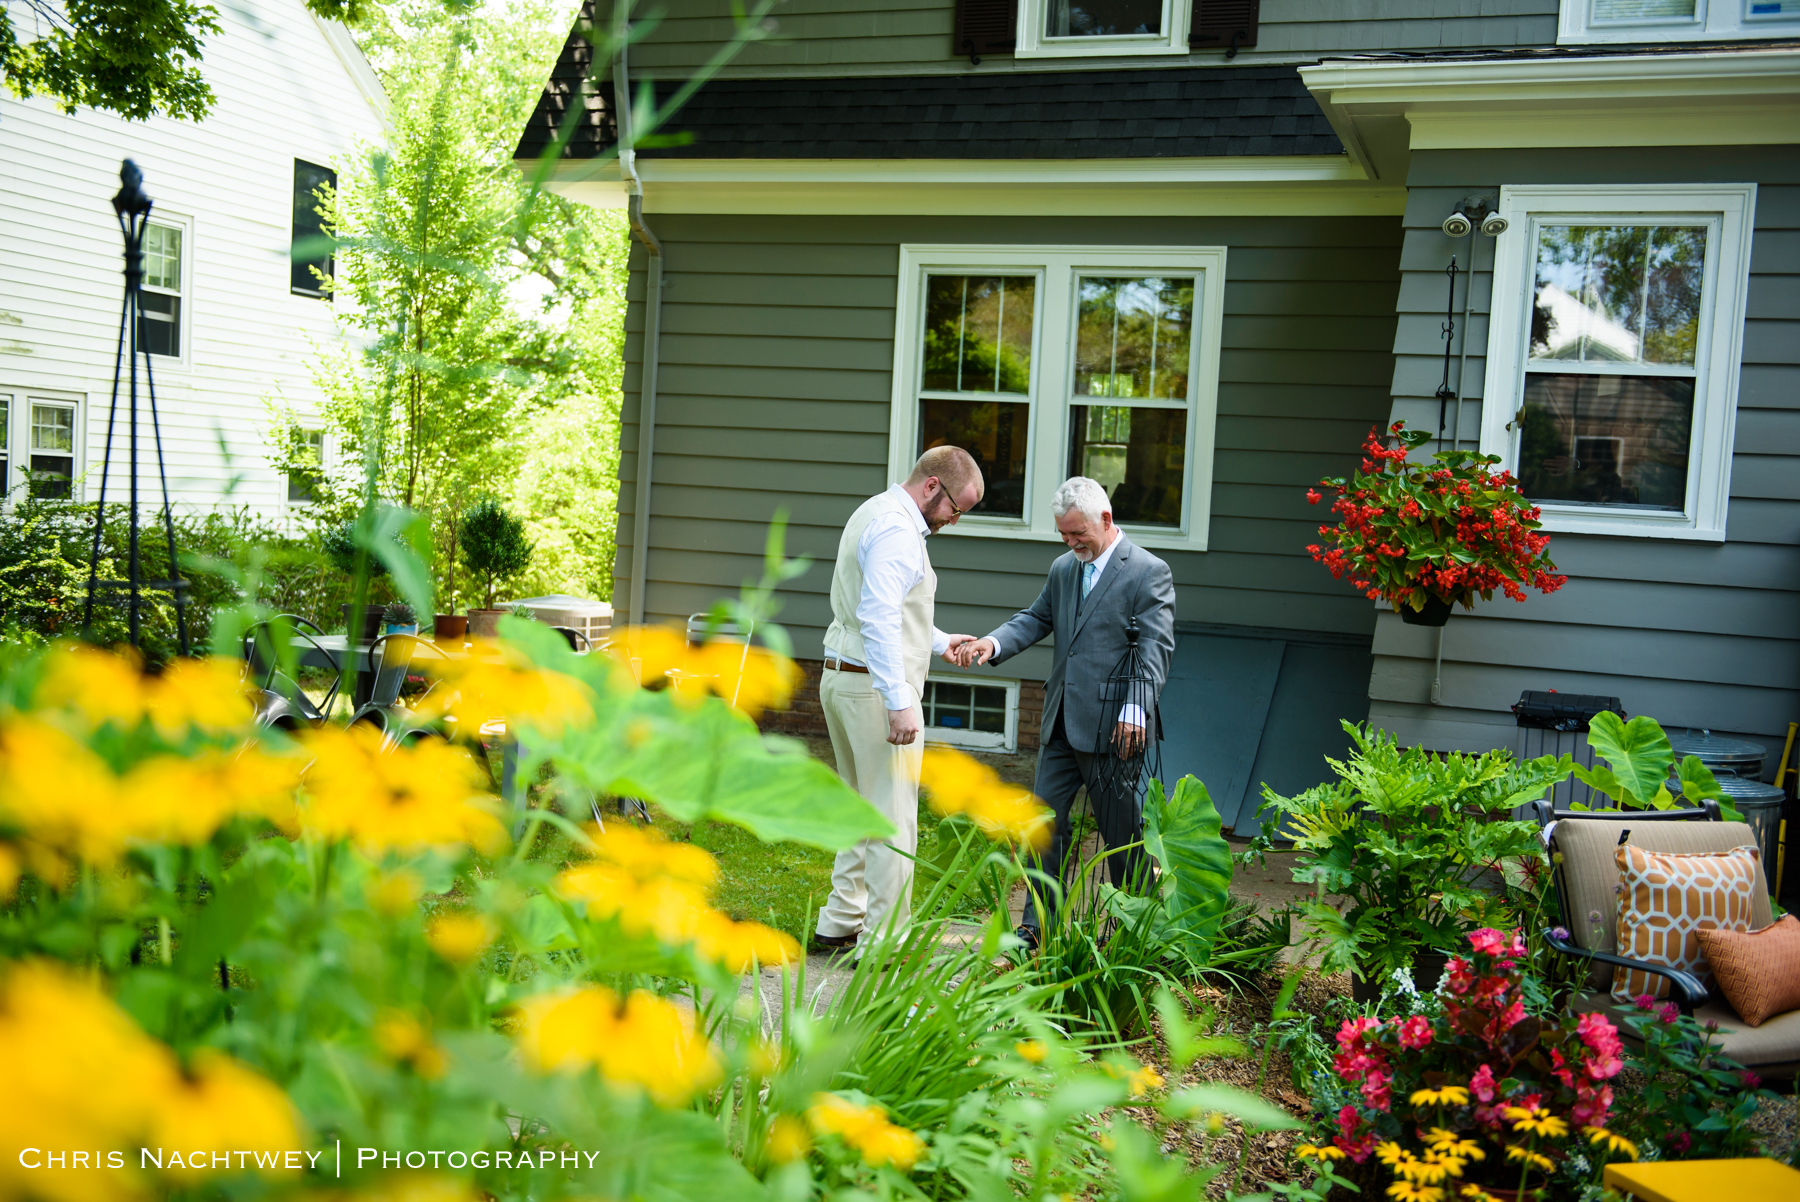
x,y
916,616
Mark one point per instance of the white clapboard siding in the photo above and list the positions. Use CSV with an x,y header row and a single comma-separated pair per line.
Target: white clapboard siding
x,y
288,86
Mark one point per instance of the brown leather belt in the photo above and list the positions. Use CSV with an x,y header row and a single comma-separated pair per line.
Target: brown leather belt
x,y
838,665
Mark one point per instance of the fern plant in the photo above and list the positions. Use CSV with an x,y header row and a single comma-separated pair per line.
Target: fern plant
x,y
1394,845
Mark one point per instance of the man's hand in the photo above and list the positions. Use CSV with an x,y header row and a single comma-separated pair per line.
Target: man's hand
x,y
903,726
953,653
978,651
1128,738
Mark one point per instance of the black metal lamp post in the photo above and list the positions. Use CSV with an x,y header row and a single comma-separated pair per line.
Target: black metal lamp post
x,y
133,209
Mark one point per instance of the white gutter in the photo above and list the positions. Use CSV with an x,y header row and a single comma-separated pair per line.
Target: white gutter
x,y
634,208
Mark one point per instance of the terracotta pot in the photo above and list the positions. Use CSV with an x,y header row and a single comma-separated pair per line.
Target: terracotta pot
x,y
450,627
484,623
1435,613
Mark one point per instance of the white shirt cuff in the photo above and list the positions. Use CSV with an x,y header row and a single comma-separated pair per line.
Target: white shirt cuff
x,y
1133,715
902,693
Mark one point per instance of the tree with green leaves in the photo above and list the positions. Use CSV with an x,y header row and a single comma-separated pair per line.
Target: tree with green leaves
x,y
488,316
494,546
136,58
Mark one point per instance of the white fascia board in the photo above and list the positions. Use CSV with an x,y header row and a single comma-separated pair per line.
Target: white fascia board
x,y
1273,184
1621,77
343,44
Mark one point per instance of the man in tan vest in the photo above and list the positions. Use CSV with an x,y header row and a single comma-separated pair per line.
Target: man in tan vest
x,y
877,651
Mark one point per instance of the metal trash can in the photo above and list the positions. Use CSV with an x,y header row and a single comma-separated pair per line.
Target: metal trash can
x,y
1760,804
1740,757
1552,723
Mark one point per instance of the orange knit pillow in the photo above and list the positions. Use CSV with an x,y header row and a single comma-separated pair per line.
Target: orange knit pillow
x,y
1666,899
1758,971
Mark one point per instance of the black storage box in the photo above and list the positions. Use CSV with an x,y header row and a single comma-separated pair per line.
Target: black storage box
x,y
1562,711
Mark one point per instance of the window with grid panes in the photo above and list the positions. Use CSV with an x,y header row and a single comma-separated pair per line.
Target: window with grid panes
x,y
52,449
159,301
303,478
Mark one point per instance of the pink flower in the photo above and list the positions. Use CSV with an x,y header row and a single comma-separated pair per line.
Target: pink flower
x,y
1678,1143
1601,1037
1512,1016
1354,1029
1482,1084
1375,1090
1669,1013
1348,1121
1487,941
1644,1001
1591,1104
1358,1149
1749,1079
1415,1032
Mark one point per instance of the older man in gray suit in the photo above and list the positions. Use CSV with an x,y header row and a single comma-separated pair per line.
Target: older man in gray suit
x,y
1089,600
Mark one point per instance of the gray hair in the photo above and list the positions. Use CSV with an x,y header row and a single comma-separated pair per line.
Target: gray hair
x,y
1079,492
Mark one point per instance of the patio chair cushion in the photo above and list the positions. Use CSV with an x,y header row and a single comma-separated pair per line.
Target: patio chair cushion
x,y
1590,876
1758,972
1666,899
1772,1049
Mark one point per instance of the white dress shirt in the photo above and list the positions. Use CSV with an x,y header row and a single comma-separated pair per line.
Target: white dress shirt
x,y
892,563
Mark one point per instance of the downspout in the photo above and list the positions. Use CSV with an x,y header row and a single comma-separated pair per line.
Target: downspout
x,y
646,448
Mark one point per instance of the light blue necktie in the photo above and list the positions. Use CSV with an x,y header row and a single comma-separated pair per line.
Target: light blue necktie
x,y
1087,578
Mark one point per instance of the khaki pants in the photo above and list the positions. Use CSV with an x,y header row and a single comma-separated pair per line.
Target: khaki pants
x,y
871,883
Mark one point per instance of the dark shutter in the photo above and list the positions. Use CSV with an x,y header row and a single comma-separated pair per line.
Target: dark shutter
x,y
985,27
1230,24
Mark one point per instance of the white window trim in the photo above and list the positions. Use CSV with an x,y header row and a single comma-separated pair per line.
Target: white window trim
x,y
1712,20
980,740
18,455
185,360
1717,359
324,460
1056,268
1033,44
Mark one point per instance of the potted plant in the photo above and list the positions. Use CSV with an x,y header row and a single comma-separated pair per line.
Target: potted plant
x,y
1425,536
340,549
494,549
401,619
1394,846
1481,1100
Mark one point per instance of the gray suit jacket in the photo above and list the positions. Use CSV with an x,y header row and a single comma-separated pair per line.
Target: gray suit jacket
x,y
1090,635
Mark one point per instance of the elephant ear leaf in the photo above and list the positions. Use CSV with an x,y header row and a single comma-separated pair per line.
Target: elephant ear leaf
x,y
1638,751
1183,833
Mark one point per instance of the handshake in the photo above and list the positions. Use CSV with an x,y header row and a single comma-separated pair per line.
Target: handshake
x,y
966,651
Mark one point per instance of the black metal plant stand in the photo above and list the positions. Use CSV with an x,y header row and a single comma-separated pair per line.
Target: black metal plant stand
x,y
133,209
1126,771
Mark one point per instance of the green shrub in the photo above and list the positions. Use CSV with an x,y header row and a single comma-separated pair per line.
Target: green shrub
x,y
494,547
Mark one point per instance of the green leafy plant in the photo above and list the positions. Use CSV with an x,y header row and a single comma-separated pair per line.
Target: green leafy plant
x,y
1640,764
1409,532
1695,1103
493,545
1399,838
399,613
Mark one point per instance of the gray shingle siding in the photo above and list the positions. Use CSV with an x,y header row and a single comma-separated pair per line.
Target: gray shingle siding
x,y
1689,633
775,389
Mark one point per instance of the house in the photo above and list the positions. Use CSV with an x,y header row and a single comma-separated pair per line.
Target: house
x,y
229,317
1198,253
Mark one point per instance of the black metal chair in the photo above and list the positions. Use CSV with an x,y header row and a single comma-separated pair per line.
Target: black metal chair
x,y
281,702
578,642
389,658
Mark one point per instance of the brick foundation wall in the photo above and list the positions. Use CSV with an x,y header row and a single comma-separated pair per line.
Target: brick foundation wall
x,y
804,717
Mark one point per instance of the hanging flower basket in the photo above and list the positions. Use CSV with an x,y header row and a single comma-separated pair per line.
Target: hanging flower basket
x,y
1424,537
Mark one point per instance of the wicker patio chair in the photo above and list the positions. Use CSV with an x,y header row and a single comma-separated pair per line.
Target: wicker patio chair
x,y
1581,844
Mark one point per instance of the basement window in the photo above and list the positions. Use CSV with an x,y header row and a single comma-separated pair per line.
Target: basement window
x,y
966,711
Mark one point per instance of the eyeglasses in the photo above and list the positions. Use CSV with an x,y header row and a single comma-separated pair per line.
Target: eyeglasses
x,y
956,510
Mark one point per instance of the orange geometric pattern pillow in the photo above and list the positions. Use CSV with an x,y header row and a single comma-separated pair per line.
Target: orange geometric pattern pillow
x,y
1666,900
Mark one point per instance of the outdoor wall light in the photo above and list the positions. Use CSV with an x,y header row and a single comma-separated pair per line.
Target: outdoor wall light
x,y
1473,210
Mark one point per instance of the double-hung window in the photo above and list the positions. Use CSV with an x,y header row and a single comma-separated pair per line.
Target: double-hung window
x,y
305,471
52,442
1052,362
1587,21
310,249
159,302
1069,28
1613,355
